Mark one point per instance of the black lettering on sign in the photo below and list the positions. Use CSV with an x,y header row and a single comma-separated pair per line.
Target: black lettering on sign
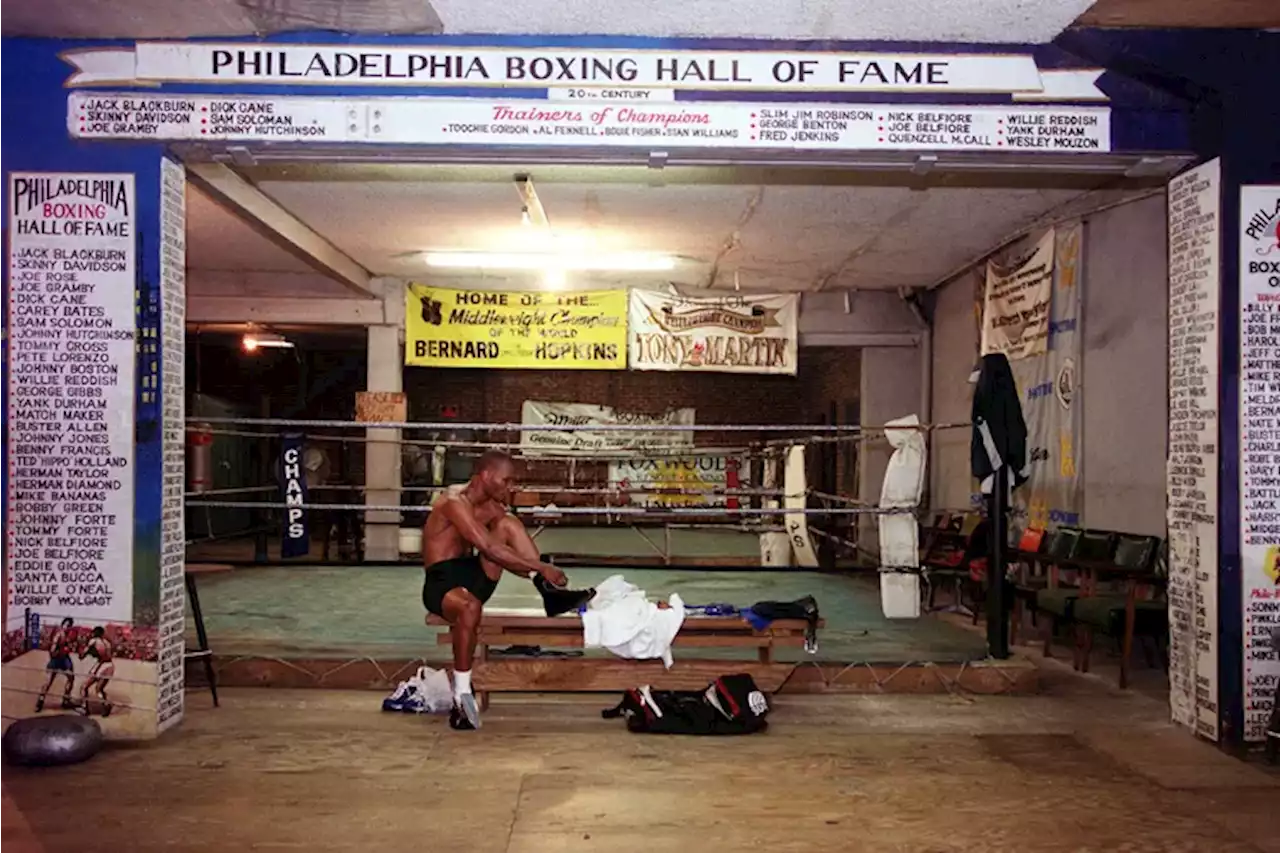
x,y
457,350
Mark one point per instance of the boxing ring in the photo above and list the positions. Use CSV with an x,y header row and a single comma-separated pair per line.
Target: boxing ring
x,y
758,532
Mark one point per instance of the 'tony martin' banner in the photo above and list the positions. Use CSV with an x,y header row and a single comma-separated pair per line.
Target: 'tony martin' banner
x,y
152,63
1015,314
731,334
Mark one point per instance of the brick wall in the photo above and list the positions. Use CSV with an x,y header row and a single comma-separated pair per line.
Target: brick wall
x,y
826,376
828,380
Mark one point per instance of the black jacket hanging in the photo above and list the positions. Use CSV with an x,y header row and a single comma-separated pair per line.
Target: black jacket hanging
x,y
999,430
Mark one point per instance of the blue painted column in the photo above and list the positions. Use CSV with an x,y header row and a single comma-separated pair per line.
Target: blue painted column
x,y
74,547
1227,78
1250,155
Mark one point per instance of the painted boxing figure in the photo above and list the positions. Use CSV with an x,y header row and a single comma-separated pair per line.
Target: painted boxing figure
x,y
100,673
60,647
469,538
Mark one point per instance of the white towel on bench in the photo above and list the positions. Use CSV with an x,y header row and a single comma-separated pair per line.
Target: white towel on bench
x,y
626,623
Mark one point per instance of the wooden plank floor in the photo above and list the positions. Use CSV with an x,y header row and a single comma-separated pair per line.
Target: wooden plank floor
x,y
1083,768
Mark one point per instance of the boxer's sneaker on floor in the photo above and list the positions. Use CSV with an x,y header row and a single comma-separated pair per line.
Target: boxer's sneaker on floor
x,y
398,700
466,713
415,703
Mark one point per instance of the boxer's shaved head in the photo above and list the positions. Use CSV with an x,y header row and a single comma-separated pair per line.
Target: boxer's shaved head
x,y
495,472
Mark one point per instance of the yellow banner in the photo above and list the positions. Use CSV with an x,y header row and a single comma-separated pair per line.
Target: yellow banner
x,y
481,328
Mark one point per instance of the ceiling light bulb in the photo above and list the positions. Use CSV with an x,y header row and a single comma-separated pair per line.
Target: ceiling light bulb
x,y
259,341
525,219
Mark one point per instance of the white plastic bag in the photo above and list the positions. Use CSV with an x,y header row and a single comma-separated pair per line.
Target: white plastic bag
x,y
434,688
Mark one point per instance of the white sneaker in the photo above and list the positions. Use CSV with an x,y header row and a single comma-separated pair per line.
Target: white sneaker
x,y
467,702
397,700
415,703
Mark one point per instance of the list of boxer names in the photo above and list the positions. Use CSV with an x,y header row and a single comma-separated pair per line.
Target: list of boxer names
x,y
173,264
1260,448
70,421
1194,282
478,121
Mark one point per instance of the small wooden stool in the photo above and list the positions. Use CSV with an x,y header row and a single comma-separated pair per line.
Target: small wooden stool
x,y
203,652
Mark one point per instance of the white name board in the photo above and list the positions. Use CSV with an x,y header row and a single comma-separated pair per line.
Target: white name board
x,y
583,439
1192,477
541,67
173,300
702,473
730,334
1015,314
1260,448
70,419
475,121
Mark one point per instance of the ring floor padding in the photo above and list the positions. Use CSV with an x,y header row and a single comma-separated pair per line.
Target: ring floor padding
x,y
375,611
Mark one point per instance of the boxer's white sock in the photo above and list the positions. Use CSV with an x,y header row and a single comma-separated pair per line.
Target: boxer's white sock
x,y
461,683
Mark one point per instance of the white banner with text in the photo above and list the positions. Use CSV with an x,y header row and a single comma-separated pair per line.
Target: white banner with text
x,y
480,121
582,439
687,481
435,65
1015,313
729,334
69,426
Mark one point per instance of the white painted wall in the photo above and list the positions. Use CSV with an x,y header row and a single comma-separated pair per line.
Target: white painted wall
x,y
1125,376
955,352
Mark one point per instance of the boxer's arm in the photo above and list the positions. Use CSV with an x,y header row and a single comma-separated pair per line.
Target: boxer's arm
x,y
461,516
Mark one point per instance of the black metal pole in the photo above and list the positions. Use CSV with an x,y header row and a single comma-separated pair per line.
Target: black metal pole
x,y
997,609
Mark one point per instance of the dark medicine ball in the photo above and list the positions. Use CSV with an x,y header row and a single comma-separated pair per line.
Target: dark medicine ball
x,y
52,740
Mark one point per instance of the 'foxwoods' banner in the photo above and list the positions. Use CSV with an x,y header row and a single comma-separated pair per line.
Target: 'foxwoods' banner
x,y
730,334
700,474
587,440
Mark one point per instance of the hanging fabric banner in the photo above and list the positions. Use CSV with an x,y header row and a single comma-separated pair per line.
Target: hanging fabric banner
x,y
587,440
584,330
700,473
730,334
1047,383
1015,316
296,540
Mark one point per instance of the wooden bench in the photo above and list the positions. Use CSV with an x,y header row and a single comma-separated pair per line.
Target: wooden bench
x,y
611,673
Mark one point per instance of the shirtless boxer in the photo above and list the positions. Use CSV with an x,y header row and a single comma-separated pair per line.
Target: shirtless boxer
x,y
100,673
468,540
60,648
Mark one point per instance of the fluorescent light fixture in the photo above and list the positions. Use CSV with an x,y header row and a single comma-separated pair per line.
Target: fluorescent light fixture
x,y
257,341
609,262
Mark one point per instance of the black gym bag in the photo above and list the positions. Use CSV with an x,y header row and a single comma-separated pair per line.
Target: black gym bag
x,y
731,705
